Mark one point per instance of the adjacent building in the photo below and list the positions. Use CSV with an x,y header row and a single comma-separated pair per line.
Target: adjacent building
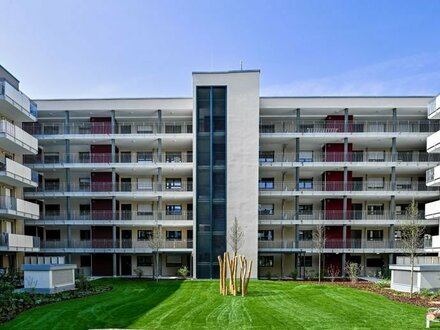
x,y
15,108
113,170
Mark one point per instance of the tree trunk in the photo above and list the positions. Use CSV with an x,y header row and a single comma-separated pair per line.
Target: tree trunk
x,y
157,264
412,277
319,267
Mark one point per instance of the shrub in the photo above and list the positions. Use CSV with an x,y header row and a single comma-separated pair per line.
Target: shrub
x,y
427,294
333,272
82,283
183,271
353,271
139,272
268,275
293,274
383,284
13,276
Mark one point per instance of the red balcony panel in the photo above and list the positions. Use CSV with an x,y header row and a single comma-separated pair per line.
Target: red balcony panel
x,y
100,125
334,152
101,209
335,123
101,153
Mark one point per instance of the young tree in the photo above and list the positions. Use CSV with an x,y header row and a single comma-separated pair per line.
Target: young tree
x,y
156,242
236,237
412,230
319,238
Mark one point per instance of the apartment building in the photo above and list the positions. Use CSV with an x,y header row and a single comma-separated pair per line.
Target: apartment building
x,y
113,170
15,108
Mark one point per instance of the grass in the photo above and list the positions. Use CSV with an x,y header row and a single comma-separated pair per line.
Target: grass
x,y
198,305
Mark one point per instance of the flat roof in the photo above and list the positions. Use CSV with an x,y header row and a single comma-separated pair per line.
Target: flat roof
x,y
224,72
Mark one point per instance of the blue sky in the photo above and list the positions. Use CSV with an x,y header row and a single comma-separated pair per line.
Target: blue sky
x,y
90,48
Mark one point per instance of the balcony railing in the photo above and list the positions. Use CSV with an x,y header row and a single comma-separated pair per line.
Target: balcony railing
x,y
432,106
99,158
349,244
110,244
18,99
317,216
352,157
17,171
279,186
19,242
20,206
112,187
118,215
128,128
19,136
355,126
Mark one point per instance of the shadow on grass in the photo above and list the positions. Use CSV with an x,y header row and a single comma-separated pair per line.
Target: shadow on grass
x,y
120,307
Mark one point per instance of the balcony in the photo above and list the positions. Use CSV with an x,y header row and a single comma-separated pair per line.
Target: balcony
x,y
433,177
107,189
433,143
17,175
365,218
432,210
118,245
435,242
335,246
106,160
365,127
87,129
20,243
15,140
434,108
105,218
355,188
16,105
371,158
11,207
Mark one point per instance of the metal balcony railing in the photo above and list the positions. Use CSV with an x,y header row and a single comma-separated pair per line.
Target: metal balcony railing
x,y
112,187
98,158
351,157
432,106
19,241
5,167
118,215
15,132
319,216
112,244
349,244
120,128
305,126
430,175
351,186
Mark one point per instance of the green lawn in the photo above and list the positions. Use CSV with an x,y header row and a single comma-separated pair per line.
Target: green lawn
x,y
197,305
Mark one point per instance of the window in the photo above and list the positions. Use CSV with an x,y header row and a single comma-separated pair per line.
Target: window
x,y
265,261
305,261
51,157
84,184
84,157
84,235
174,235
403,183
375,235
173,157
376,262
265,235
173,209
125,129
52,210
145,157
305,209
306,156
266,209
375,209
125,157
144,261
52,184
144,235
305,235
305,184
145,129
267,128
53,235
173,129
145,184
174,184
174,261
51,129
84,209
267,156
375,183
376,156
145,209
401,209
85,261
266,183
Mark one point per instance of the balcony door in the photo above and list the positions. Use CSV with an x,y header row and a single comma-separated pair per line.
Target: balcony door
x,y
126,239
125,265
356,238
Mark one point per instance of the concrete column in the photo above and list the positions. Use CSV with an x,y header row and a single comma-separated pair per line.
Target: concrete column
x,y
68,184
68,209
298,119
114,183
66,122
159,121
346,120
344,207
393,178
394,120
159,179
344,236
345,178
69,235
113,122
159,208
296,208
393,150
344,260
67,156
393,207
113,151
345,149
115,270
391,235
114,211
159,151
296,236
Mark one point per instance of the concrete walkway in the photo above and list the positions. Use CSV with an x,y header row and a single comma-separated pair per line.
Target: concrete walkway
x,y
370,279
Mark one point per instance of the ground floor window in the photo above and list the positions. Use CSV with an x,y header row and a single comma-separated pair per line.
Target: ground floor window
x,y
144,261
374,262
85,261
173,261
265,261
